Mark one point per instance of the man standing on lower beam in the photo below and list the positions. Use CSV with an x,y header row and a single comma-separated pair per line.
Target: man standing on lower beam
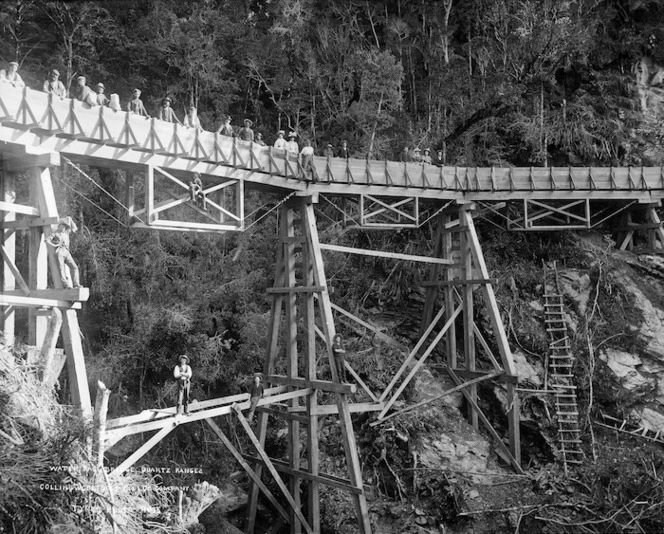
x,y
182,374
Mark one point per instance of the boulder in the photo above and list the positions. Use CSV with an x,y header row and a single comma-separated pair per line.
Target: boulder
x,y
528,373
624,366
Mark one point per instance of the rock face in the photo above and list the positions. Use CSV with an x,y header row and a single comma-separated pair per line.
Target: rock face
x,y
634,288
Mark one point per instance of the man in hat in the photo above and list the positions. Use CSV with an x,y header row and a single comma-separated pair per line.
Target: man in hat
x,y
100,96
83,93
291,145
226,128
60,241
182,374
136,104
329,151
259,139
54,86
166,112
439,158
191,119
11,76
280,143
405,155
246,133
426,158
255,394
196,193
343,150
339,356
307,162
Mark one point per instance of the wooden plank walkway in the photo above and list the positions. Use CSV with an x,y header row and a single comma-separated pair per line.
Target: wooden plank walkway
x,y
34,123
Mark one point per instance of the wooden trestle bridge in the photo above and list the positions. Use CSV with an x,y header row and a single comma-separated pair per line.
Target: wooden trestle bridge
x,y
37,131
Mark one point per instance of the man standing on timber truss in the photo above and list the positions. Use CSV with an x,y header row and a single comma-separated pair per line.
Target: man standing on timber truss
x,y
60,240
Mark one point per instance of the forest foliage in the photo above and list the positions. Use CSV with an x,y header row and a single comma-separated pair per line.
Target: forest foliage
x,y
487,82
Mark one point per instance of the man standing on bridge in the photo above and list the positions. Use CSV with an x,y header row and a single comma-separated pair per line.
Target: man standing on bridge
x,y
182,374
54,86
11,76
280,143
83,93
166,112
136,104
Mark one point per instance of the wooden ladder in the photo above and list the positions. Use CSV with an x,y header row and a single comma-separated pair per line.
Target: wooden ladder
x,y
561,362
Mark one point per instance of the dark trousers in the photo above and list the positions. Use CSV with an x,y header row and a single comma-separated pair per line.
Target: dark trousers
x,y
183,394
252,408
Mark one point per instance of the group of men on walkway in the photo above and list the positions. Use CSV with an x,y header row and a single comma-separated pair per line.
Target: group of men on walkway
x,y
97,97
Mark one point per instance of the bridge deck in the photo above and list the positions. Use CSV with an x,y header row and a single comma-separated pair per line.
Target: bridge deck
x,y
33,122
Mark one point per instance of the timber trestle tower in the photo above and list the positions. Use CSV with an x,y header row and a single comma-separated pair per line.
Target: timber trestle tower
x,y
38,132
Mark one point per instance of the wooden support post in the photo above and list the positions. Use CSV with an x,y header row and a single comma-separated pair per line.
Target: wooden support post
x,y
47,362
101,407
468,321
350,447
448,293
268,368
313,456
70,330
150,217
131,197
8,195
434,274
513,416
37,275
288,229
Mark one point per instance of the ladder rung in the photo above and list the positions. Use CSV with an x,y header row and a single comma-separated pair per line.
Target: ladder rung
x,y
556,329
563,386
570,441
559,320
552,295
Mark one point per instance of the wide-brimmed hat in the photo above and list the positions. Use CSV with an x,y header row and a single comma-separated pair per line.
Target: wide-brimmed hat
x,y
248,122
68,222
427,150
281,132
13,63
292,134
228,118
80,78
329,145
100,85
259,135
56,72
135,89
166,99
183,356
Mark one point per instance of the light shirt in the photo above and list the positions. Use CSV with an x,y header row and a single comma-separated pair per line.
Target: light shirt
x,y
280,143
307,151
182,372
292,147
